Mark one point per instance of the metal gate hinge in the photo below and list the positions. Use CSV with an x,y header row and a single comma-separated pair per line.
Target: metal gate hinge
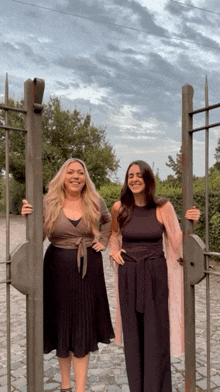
x,y
195,248
19,269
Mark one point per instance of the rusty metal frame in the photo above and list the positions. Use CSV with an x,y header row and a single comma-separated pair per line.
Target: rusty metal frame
x,y
24,265
195,253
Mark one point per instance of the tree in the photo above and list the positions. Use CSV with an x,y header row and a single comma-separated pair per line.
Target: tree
x,y
176,165
65,135
217,156
16,143
111,193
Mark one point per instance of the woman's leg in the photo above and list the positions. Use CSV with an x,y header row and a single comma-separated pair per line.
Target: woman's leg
x,y
132,324
65,364
157,374
80,367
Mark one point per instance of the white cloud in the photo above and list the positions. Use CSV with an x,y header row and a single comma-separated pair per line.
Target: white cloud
x,y
92,93
44,40
62,2
131,127
152,5
138,137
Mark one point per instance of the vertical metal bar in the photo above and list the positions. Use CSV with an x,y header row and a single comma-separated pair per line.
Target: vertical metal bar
x,y
8,305
207,235
189,295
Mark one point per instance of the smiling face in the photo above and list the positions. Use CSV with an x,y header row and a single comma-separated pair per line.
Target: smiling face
x,y
74,178
135,180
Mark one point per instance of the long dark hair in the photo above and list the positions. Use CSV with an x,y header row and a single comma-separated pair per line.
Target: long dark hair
x,y
127,198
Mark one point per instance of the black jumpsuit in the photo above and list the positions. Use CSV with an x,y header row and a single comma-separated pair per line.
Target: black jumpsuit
x,y
143,295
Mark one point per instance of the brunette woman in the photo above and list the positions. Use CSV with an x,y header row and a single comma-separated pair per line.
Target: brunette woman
x,y
76,310
148,273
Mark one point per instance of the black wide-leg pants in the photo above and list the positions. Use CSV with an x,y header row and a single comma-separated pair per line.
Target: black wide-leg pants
x,y
143,294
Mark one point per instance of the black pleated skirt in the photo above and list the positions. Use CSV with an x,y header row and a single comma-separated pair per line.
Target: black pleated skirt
x,y
76,310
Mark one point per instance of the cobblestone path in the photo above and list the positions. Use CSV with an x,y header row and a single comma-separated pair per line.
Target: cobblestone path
x,y
107,366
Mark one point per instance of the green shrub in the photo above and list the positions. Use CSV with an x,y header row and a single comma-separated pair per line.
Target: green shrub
x,y
110,193
16,194
2,198
199,202
214,236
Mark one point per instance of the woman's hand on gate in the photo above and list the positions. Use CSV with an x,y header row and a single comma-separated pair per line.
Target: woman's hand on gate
x,y
193,214
117,257
180,261
26,208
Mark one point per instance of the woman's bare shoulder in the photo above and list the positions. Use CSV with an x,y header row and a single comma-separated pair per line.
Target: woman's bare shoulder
x,y
116,206
166,205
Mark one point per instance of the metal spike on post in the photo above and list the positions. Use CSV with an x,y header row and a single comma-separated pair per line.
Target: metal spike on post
x,y
8,301
208,332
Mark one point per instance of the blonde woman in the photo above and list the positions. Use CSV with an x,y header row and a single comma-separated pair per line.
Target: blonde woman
x,y
76,310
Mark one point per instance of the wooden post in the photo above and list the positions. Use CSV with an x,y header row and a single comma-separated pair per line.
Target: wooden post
x,y
34,193
189,295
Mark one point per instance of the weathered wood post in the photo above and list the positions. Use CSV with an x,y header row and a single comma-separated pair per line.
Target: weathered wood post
x,y
189,298
27,259
34,193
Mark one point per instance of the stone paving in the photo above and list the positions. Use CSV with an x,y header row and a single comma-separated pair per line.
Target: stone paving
x,y
107,366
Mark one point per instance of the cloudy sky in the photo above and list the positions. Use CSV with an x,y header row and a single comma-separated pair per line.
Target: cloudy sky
x,y
122,61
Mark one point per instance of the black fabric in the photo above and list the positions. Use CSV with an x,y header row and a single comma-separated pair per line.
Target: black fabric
x,y
143,295
76,310
142,227
75,221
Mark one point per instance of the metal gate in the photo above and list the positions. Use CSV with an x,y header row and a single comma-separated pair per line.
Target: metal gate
x,y
196,253
24,265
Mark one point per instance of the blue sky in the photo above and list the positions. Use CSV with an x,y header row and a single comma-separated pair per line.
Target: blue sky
x,y
122,61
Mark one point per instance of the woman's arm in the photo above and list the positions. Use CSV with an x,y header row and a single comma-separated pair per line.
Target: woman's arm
x,y
27,209
115,238
105,220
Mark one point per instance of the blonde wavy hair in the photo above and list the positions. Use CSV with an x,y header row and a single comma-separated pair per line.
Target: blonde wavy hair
x,y
54,200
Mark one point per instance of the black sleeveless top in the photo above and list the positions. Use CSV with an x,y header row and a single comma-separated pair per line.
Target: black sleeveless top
x,y
143,228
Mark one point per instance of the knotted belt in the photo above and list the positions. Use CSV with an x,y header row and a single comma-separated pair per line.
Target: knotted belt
x,y
82,244
144,284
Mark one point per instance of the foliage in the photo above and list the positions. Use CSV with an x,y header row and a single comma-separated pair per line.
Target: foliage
x,y
65,135
171,188
16,194
175,196
110,193
176,166
2,198
16,143
217,156
214,235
